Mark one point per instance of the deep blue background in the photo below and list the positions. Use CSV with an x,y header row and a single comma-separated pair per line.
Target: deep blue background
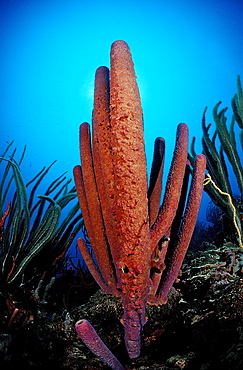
x,y
186,53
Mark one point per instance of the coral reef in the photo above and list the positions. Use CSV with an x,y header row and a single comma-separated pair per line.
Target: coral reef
x,y
138,246
199,328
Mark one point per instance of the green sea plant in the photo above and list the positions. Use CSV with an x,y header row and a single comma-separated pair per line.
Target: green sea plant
x,y
36,230
217,183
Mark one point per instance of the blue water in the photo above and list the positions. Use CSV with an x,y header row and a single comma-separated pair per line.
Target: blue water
x,y
187,55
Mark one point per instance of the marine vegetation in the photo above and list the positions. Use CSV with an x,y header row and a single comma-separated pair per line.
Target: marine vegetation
x,y
138,244
35,232
220,158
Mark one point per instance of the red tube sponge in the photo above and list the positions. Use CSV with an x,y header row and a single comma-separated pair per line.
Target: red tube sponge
x,y
89,336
